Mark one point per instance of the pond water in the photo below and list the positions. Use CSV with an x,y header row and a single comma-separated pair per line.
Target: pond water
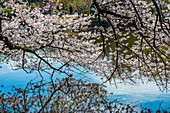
x,y
148,94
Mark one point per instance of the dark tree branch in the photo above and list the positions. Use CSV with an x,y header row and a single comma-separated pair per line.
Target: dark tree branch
x,y
160,17
109,12
137,13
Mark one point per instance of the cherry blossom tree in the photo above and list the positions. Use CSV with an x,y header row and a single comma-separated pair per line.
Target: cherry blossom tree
x,y
34,41
130,41
146,24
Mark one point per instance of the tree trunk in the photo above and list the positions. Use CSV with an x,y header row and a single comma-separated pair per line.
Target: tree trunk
x,y
84,10
79,13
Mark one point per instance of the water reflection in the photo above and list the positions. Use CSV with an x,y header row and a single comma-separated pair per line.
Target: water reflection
x,y
128,96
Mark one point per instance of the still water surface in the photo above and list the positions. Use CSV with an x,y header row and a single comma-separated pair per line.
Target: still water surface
x,y
148,94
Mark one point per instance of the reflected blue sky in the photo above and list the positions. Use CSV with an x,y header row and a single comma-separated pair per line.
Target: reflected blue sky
x,y
147,94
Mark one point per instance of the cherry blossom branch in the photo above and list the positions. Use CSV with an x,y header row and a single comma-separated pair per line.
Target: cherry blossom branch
x,y
137,13
109,12
160,16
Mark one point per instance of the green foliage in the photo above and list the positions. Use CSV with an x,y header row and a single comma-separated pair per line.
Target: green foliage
x,y
55,10
82,5
65,11
66,3
33,4
7,12
73,5
166,1
87,10
79,3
